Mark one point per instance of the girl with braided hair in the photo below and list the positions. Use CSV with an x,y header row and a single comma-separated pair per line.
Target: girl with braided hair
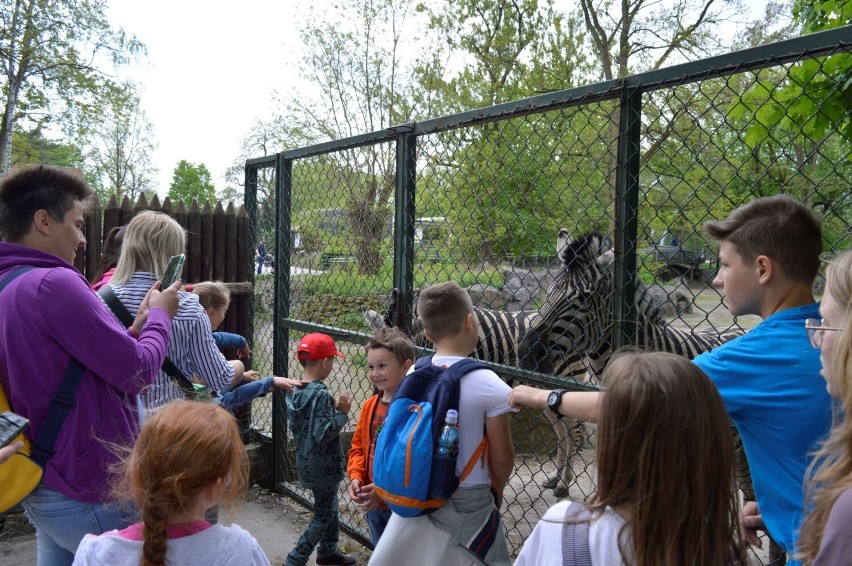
x,y
188,458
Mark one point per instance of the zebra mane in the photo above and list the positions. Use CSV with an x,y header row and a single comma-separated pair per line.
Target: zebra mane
x,y
584,249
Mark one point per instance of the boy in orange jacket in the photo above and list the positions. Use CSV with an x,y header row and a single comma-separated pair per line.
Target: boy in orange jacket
x,y
390,354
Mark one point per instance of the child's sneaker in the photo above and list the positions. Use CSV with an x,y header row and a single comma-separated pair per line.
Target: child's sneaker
x,y
336,559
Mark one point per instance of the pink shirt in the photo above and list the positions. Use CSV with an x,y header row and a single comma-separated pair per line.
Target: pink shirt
x,y
180,530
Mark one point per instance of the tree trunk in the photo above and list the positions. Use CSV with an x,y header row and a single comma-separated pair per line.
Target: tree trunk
x,y
6,129
15,76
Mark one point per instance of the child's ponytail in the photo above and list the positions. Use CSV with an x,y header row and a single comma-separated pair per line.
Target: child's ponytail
x,y
155,538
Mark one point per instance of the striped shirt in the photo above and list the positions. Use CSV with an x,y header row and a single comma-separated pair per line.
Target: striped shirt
x,y
191,345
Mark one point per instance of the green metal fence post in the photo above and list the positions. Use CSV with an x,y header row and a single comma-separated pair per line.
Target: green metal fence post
x,y
403,235
281,311
251,211
626,215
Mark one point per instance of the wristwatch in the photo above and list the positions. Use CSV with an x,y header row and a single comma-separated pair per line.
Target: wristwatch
x,y
554,400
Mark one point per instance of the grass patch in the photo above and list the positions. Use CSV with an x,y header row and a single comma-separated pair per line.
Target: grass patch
x,y
344,279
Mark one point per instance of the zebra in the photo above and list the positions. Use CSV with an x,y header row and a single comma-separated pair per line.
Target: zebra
x,y
576,321
499,335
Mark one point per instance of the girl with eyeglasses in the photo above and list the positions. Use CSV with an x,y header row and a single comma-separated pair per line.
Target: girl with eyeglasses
x,y
825,538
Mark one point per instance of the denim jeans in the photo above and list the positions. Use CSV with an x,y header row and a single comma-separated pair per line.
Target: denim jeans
x,y
377,520
61,523
230,399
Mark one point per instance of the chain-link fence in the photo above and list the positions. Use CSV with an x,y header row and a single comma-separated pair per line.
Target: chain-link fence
x,y
480,198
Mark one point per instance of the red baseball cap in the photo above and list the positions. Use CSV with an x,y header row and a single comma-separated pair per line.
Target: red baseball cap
x,y
317,346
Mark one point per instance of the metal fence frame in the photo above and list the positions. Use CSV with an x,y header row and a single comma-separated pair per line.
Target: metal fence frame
x,y
627,91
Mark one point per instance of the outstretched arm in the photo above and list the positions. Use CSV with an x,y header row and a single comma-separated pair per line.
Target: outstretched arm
x,y
501,453
582,405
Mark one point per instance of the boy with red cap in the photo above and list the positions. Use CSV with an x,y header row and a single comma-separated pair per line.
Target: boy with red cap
x,y
316,421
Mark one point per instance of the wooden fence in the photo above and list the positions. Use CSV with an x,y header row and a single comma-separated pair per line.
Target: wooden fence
x,y
218,247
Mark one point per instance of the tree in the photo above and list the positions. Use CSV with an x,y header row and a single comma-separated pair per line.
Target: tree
x,y
817,96
354,61
31,147
512,49
120,149
642,35
505,186
192,182
53,55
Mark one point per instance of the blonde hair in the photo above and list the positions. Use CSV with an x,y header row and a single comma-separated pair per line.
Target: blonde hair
x,y
212,294
830,473
150,240
182,449
665,450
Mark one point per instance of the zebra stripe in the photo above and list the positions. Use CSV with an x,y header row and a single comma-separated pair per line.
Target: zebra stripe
x,y
576,319
499,334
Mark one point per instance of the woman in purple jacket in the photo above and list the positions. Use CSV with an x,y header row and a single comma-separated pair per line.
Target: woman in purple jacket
x,y
49,316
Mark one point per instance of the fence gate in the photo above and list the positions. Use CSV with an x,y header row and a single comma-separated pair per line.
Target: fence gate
x,y
480,198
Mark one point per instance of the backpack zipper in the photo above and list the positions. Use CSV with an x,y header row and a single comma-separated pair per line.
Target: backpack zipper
x,y
419,410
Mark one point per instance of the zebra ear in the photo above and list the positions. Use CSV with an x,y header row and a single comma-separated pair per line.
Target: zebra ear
x,y
562,240
606,259
373,319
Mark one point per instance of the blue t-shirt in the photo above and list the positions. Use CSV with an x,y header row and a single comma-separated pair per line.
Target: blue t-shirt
x,y
770,382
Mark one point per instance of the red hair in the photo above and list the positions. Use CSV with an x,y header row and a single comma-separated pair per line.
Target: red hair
x,y
182,449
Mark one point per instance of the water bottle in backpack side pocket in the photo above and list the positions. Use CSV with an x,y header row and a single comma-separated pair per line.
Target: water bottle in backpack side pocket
x,y
442,480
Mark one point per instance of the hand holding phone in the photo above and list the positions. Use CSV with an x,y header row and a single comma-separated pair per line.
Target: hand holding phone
x,y
11,425
173,270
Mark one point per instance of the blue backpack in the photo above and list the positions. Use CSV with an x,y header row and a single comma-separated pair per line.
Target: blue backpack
x,y
404,463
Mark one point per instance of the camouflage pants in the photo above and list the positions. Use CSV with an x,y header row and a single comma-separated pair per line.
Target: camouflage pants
x,y
323,530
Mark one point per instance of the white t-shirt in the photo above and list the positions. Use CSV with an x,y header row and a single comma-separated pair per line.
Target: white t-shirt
x,y
489,400
544,545
217,545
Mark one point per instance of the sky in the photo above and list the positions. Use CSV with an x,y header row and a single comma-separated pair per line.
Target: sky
x,y
211,71
209,74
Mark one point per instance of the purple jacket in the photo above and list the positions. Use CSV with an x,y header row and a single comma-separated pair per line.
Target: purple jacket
x,y
48,315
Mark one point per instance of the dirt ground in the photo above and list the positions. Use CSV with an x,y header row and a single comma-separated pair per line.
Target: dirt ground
x,y
274,520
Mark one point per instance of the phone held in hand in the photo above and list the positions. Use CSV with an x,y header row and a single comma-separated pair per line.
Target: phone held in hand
x,y
11,425
173,270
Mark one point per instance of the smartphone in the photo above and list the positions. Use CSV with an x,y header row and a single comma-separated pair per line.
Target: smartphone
x,y
11,425
173,270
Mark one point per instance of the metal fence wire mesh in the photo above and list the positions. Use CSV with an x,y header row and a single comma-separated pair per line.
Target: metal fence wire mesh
x,y
486,198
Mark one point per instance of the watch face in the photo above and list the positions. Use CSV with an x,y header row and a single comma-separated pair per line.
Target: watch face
x,y
552,399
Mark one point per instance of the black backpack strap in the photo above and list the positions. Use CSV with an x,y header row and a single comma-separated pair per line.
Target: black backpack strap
x,y
63,401
116,306
575,536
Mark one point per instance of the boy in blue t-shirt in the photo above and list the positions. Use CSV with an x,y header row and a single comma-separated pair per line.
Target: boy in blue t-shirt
x,y
769,254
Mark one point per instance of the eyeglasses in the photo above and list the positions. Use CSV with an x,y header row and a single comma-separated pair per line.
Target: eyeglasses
x,y
815,329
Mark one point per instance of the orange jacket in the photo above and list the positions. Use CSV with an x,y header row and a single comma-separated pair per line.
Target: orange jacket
x,y
356,467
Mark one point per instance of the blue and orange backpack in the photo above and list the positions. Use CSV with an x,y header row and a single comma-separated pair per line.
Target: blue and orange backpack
x,y
403,466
